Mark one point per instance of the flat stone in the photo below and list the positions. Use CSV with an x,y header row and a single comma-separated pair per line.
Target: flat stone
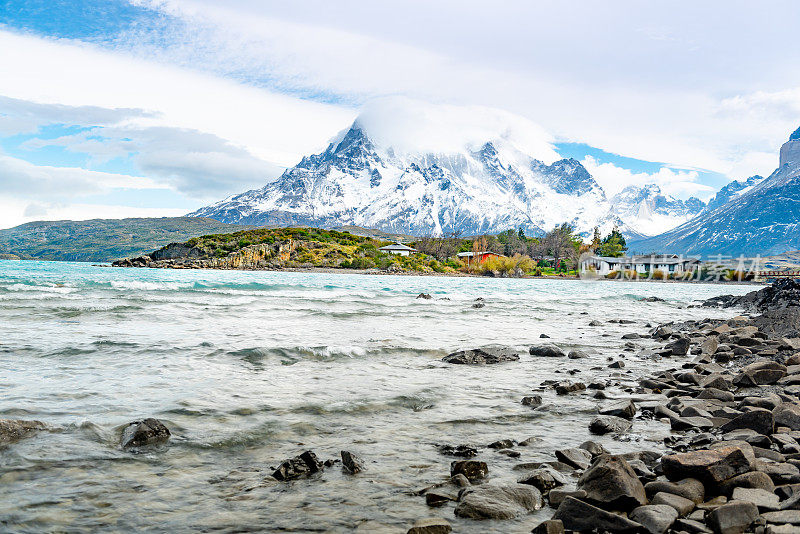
x,y
732,518
576,457
544,479
688,488
787,415
765,500
557,495
691,526
594,448
783,516
611,483
709,466
579,515
436,498
624,408
608,424
753,479
431,525
656,519
682,505
489,501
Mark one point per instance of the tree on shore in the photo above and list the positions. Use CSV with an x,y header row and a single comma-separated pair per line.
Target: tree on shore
x,y
613,245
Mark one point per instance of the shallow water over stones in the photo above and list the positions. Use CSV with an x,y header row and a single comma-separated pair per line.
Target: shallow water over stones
x,y
248,369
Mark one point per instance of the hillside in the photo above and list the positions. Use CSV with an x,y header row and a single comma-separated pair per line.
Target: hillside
x,y
102,240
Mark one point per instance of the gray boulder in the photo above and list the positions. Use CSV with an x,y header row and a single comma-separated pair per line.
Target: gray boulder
x,y
787,415
300,466
732,518
472,469
489,501
579,515
709,466
612,484
623,408
609,424
547,350
655,519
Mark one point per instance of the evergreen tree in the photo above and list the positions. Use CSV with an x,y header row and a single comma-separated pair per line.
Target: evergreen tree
x,y
613,245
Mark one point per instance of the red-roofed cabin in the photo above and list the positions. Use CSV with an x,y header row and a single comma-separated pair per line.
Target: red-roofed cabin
x,y
479,257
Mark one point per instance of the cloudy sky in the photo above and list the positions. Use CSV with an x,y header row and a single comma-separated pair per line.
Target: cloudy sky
x,y
112,108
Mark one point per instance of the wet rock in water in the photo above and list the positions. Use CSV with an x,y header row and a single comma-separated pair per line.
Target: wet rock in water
x,y
594,448
434,498
619,364
490,501
757,419
595,323
472,469
563,388
655,518
460,481
579,515
463,451
547,350
532,400
577,354
551,526
609,424
141,433
544,336
501,444
484,356
479,305
624,408
544,479
15,429
352,463
611,483
304,465
631,335
662,332
679,347
710,466
425,296
431,525
557,495
732,518
576,457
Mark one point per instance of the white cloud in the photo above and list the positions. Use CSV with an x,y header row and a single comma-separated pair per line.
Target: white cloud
x,y
678,183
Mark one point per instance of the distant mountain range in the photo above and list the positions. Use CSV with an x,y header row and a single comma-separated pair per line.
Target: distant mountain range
x,y
759,216
470,191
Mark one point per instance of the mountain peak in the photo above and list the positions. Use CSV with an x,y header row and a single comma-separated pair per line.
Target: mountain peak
x,y
795,135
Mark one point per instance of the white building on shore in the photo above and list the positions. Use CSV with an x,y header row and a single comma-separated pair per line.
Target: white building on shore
x,y
642,264
398,249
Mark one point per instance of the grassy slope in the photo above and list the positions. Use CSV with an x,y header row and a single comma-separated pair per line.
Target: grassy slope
x,y
103,239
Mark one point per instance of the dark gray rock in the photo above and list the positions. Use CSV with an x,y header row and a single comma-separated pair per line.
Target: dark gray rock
x,y
681,504
708,466
532,400
463,451
757,419
483,356
489,501
688,488
594,448
141,433
472,469
624,408
547,350
425,296
544,479
564,388
304,465
431,525
579,515
352,463
501,444
753,479
609,424
732,518
679,347
655,519
765,500
611,483
576,457
577,354
787,415
551,526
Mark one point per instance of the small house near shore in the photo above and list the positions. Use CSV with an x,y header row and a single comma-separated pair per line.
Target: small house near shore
x,y
476,257
642,264
398,249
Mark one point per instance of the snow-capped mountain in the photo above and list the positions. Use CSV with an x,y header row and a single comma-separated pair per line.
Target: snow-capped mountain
x,y
734,189
762,216
413,175
651,212
488,189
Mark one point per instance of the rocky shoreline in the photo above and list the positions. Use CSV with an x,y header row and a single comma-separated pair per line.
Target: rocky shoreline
x,y
731,401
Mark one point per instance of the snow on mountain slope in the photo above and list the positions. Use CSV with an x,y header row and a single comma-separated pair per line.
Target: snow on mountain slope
x,y
762,217
650,212
436,170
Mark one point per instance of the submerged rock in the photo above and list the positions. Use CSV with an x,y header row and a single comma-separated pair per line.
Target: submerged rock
x,y
352,463
300,466
141,433
464,451
14,429
484,356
